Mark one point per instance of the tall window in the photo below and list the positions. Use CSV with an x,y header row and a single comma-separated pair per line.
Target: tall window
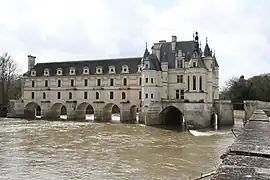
x,y
59,83
98,82
146,80
123,95
177,94
140,94
72,82
179,78
85,95
46,83
182,94
194,82
152,80
111,95
33,83
188,83
200,83
152,95
111,82
70,95
97,95
44,95
140,81
33,95
125,81
58,95
86,82
179,63
146,96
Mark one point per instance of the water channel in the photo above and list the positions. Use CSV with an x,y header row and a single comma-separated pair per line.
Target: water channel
x,y
106,151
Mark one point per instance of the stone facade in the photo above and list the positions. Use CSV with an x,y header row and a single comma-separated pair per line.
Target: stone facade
x,y
176,78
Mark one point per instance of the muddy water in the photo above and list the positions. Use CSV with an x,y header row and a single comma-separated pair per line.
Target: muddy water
x,y
98,151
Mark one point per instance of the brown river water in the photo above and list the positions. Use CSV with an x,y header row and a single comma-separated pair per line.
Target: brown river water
x,y
106,151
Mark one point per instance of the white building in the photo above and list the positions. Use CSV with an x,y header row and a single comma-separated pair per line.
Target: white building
x,y
176,79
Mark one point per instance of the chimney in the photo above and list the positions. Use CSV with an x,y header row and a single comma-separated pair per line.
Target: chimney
x,y
162,41
174,39
31,62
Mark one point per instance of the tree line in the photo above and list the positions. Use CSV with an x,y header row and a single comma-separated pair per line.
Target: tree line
x,y
239,89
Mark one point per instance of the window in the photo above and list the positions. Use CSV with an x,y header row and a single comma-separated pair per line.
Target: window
x,y
70,95
179,63
33,73
44,95
33,95
179,78
59,71
33,83
85,70
123,95
46,83
98,82
200,83
194,64
72,82
146,65
152,96
188,83
177,94
58,95
97,95
86,82
140,94
111,69
194,82
182,94
99,70
85,95
72,71
46,72
146,96
111,82
59,83
140,81
111,95
124,81
125,69
152,80
146,80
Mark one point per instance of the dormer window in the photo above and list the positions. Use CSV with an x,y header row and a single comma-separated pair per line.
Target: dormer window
x,y
33,72
111,69
72,71
146,65
59,71
124,69
46,72
99,70
85,70
194,64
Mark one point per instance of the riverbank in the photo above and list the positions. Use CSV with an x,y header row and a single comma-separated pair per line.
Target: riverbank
x,y
249,156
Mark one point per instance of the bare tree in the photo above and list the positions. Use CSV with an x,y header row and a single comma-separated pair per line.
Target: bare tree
x,y
8,77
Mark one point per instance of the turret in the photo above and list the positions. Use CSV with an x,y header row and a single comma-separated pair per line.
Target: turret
x,y
174,40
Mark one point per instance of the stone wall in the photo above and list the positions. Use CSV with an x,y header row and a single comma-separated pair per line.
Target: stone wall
x,y
224,109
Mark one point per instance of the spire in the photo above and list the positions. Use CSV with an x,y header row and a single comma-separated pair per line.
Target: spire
x,y
146,52
197,45
207,52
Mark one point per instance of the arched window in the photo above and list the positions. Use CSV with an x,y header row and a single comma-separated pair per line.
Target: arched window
x,y
124,81
123,95
194,82
200,83
70,95
97,95
188,83
44,95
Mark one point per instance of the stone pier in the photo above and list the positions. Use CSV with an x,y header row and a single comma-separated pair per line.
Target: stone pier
x,y
249,156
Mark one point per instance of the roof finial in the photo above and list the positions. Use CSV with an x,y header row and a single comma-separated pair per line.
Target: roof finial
x,y
146,44
206,40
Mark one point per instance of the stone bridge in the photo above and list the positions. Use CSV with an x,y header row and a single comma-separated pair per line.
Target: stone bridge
x,y
76,110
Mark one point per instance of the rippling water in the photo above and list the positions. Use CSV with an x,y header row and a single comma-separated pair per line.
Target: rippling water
x,y
100,151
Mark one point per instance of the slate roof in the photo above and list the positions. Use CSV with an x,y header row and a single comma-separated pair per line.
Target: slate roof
x,y
166,53
132,64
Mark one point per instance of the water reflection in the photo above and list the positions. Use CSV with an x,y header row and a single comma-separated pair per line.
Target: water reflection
x,y
87,150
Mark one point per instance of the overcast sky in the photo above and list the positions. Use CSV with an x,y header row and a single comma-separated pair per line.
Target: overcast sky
x,y
60,30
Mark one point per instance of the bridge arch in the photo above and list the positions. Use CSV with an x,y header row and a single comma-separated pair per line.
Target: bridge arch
x,y
171,115
85,111
59,111
111,111
32,110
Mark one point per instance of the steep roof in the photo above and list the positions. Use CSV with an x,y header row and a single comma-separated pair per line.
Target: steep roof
x,y
132,64
186,47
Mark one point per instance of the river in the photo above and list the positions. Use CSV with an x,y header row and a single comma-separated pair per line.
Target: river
x,y
106,151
